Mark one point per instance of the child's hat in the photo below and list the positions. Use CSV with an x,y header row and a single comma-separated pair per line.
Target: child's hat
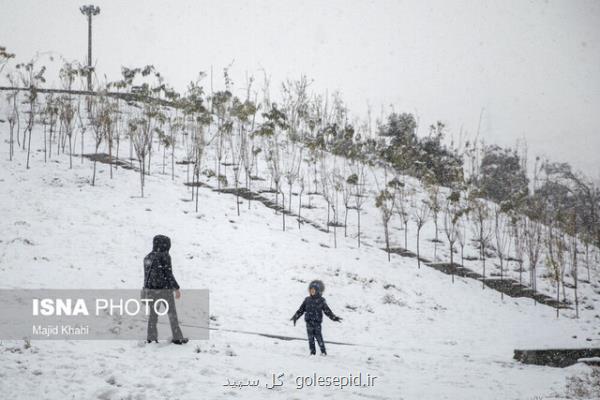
x,y
318,285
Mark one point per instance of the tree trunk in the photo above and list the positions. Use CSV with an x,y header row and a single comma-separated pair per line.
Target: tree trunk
x,y
29,147
418,249
45,146
575,274
521,272
576,302
117,153
501,276
187,172
110,157
237,197
358,213
94,173
335,224
283,210
71,151
483,263
197,186
557,296
248,180
452,261
172,159
149,157
299,210
25,135
50,140
142,162
219,175
587,261
11,144
346,222
327,216
387,241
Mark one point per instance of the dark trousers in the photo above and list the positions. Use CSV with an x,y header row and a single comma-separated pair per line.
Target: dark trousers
x,y
314,332
166,295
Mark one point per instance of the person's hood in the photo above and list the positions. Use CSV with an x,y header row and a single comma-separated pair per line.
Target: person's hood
x,y
161,243
319,287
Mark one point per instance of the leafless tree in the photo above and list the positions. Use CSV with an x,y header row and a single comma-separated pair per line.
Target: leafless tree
x,y
347,189
51,113
555,245
435,206
337,185
301,185
198,148
518,228
532,235
359,191
421,214
99,119
572,248
452,215
30,76
481,227
502,239
5,57
13,121
326,185
141,129
67,110
275,164
402,207
461,235
385,201
291,167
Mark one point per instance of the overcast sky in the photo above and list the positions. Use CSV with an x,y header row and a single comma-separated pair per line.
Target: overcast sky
x,y
532,66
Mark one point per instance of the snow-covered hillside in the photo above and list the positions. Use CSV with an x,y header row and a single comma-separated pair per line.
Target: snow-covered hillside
x,y
419,334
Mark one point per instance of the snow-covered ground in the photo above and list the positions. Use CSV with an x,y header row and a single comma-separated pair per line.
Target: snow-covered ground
x,y
421,336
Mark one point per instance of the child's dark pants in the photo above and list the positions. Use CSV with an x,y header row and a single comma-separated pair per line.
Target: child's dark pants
x,y
314,332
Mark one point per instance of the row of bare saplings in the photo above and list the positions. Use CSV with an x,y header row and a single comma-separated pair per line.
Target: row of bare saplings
x,y
291,139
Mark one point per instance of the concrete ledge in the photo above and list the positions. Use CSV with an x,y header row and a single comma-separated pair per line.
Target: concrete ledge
x,y
556,357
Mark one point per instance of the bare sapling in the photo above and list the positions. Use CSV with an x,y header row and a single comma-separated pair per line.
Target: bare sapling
x,y
421,213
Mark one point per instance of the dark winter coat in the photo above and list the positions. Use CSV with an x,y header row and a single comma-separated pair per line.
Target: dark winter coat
x,y
158,273
313,307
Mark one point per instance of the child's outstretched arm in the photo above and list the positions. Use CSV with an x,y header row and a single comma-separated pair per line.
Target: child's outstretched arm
x,y
299,312
330,313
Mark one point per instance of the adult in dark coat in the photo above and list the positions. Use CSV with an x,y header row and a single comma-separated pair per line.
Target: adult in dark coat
x,y
313,307
159,283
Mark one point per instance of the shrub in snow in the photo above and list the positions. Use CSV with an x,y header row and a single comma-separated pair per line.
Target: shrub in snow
x,y
391,299
584,386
